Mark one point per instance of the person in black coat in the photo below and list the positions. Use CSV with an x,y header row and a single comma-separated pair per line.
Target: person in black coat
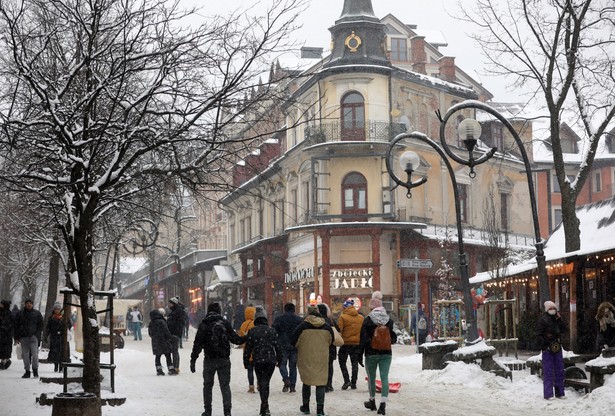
x,y
550,329
162,341
239,316
28,333
6,334
262,344
213,337
54,333
176,320
285,325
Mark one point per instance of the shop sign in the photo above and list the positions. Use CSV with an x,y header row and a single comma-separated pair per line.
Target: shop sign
x,y
352,279
299,275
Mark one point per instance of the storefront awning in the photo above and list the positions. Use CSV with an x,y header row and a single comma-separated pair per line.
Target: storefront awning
x,y
222,276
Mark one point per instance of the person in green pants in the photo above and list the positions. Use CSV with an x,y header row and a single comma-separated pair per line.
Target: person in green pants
x,y
377,336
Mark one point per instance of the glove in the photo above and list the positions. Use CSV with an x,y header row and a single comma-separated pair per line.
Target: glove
x,y
192,366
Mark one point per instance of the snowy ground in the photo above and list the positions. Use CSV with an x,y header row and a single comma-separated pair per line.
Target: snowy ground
x,y
459,389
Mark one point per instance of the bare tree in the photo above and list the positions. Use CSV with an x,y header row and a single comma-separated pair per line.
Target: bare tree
x,y
101,99
562,50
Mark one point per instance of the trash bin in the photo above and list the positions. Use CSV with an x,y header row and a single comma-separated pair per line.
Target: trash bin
x,y
76,404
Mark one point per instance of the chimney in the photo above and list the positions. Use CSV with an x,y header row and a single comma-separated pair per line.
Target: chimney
x,y
418,55
447,68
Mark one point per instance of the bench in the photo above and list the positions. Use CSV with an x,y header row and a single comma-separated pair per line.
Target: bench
x,y
482,355
600,366
434,353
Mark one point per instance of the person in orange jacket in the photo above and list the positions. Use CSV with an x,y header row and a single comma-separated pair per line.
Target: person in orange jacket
x,y
246,326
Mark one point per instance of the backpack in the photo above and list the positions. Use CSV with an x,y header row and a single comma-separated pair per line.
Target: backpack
x,y
219,339
422,323
381,340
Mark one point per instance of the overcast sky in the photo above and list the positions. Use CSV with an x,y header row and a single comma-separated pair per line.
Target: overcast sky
x,y
431,15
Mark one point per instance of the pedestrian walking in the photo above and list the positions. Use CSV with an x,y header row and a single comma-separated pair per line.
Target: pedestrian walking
x,y
162,341
263,352
550,329
246,326
6,334
325,311
54,336
377,336
176,320
312,338
238,316
213,337
419,325
285,326
350,323
137,321
28,332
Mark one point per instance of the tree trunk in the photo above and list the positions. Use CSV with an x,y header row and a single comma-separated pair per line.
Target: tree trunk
x,y
571,223
54,277
91,343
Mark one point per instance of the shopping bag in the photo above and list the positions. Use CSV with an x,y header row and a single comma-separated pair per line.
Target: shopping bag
x,y
18,352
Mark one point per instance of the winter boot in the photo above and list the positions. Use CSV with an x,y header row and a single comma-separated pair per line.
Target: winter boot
x,y
382,408
320,409
26,374
353,386
7,364
370,404
251,389
56,367
264,410
159,371
345,385
286,386
305,409
292,389
172,371
35,372
2,366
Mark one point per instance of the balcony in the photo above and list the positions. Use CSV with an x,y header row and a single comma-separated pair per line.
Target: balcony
x,y
370,131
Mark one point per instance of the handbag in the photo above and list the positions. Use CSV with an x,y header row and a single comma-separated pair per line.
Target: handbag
x,y
338,341
555,346
18,352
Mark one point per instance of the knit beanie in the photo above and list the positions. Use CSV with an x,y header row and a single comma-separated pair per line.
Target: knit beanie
x,y
348,303
376,301
549,305
174,300
57,305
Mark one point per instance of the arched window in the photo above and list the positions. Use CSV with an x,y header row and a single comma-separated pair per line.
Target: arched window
x,y
353,117
354,196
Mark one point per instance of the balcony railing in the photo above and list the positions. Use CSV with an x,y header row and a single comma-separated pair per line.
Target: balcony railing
x,y
370,131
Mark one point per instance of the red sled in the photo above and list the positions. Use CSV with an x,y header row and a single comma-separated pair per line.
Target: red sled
x,y
393,387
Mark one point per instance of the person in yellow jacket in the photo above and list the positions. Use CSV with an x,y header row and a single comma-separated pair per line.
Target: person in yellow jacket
x,y
246,326
350,323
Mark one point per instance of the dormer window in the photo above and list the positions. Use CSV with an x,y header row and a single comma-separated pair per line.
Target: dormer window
x,y
569,145
399,50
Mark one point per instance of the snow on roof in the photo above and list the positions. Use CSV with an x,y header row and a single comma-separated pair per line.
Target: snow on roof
x,y
597,229
597,225
132,264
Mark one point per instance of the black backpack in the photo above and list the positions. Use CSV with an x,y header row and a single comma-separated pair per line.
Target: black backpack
x,y
219,338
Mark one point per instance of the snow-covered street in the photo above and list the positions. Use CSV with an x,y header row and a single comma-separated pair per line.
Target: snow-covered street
x,y
459,389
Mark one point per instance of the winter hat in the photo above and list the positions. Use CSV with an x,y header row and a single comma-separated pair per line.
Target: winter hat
x,y
214,308
162,311
28,300
323,309
313,310
550,305
174,300
376,301
348,303
57,305
260,313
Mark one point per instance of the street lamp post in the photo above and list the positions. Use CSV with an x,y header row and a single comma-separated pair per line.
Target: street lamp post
x,y
470,131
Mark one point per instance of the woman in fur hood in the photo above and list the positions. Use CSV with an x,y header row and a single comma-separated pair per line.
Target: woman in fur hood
x,y
606,320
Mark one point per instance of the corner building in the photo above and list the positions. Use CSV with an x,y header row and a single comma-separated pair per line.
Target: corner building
x,y
318,219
